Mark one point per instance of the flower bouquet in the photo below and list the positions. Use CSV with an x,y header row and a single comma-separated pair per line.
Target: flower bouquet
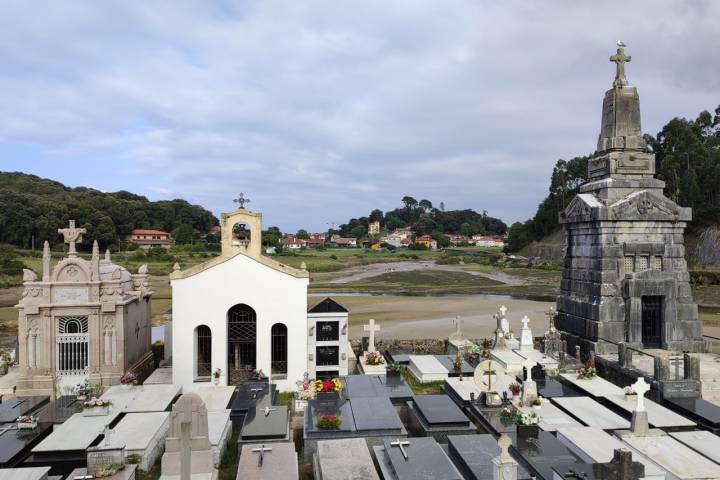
x,y
96,407
216,376
507,415
333,385
527,423
587,371
128,379
26,422
328,422
515,388
630,393
374,358
82,390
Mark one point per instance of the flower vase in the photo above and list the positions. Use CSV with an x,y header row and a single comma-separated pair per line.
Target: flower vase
x,y
528,431
631,398
536,408
216,381
26,425
96,411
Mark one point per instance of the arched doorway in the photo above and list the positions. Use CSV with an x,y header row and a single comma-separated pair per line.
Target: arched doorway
x,y
278,350
203,352
242,341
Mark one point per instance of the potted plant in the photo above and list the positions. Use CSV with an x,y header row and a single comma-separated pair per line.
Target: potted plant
x,y
374,358
96,407
128,380
515,389
216,376
630,393
527,423
474,354
393,370
82,390
328,421
507,415
26,422
587,371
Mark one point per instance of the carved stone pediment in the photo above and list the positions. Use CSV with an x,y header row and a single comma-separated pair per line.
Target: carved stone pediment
x,y
580,209
645,205
72,270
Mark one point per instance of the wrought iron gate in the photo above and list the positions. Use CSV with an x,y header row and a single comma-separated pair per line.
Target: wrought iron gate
x,y
278,349
652,318
242,341
71,350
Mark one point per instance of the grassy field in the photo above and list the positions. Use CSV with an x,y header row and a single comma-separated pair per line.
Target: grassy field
x,y
341,258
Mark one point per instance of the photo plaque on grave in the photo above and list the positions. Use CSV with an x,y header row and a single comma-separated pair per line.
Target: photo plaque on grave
x,y
100,458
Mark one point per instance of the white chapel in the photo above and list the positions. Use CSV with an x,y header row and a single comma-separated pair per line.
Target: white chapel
x,y
240,312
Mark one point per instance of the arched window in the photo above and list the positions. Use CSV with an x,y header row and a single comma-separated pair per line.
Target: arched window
x,y
241,338
203,353
278,349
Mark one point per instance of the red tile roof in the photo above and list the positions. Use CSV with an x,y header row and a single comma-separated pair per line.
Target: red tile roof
x,y
148,232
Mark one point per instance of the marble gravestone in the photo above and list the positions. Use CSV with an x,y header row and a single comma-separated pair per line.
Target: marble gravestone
x,y
543,453
371,328
457,342
427,368
267,424
592,413
188,453
413,458
364,386
13,407
347,458
526,337
141,434
474,455
27,473
438,416
701,441
277,461
16,445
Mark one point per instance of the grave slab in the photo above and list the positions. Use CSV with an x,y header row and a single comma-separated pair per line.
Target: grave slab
x,y
591,413
374,414
701,441
543,453
127,473
16,445
13,407
701,411
673,456
427,368
60,410
593,445
438,416
77,433
142,398
215,397
364,386
347,458
552,418
425,459
142,434
398,356
219,432
473,455
448,361
548,363
550,388
509,360
596,387
490,419
248,396
658,415
160,375
280,463
462,392
28,473
267,428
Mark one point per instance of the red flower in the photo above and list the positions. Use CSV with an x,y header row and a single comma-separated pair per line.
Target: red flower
x,y
327,386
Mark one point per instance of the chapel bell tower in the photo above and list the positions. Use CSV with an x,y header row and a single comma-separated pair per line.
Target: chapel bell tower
x,y
241,231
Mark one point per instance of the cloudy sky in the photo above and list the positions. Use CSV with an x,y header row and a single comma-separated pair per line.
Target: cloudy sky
x,y
324,110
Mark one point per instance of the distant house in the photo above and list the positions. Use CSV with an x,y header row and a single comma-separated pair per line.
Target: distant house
x,y
345,242
149,238
292,242
456,239
316,240
400,237
484,241
426,240
213,231
374,228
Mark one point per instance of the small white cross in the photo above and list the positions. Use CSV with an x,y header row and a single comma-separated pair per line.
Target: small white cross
x,y
503,310
267,410
525,320
641,387
371,328
528,364
262,451
402,444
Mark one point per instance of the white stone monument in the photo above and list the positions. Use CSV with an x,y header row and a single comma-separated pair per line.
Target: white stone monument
x,y
504,466
490,377
188,453
457,343
378,369
529,387
504,324
639,424
371,328
526,337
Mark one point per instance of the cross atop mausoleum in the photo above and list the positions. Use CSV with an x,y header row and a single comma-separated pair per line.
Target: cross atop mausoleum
x,y
241,200
72,235
620,59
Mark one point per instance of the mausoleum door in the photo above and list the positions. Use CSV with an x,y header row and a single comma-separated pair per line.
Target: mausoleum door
x,y
242,343
652,319
71,350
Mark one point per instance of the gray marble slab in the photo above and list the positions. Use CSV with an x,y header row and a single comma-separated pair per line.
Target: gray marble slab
x,y
345,458
374,414
259,426
591,413
473,456
426,460
280,463
701,441
440,410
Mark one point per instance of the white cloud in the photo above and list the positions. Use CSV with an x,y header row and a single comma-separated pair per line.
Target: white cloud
x,y
324,110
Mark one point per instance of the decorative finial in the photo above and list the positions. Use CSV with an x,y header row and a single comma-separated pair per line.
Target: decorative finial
x,y
143,270
620,59
242,200
72,235
176,267
303,266
107,255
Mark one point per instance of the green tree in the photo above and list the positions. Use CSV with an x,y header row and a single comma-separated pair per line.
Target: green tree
x,y
426,205
303,234
183,235
271,237
409,202
358,231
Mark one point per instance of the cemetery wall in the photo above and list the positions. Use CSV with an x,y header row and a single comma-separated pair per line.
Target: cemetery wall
x,y
432,346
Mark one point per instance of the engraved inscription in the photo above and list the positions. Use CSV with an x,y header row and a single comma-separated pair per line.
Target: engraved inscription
x,y
70,295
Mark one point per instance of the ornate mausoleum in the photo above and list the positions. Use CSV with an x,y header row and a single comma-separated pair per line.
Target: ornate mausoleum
x,y
625,276
82,320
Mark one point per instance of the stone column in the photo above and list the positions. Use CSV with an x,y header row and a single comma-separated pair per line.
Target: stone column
x,y
662,368
692,366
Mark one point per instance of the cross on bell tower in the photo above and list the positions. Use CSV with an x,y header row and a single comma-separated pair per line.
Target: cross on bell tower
x,y
241,200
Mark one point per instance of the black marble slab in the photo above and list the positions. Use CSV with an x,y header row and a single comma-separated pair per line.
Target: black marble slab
x,y
258,426
473,455
490,419
425,460
398,356
59,410
248,396
375,414
701,411
315,409
541,454
448,361
13,407
16,444
365,386
440,410
550,388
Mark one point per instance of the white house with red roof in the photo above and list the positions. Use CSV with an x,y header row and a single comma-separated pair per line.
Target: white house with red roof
x,y
149,238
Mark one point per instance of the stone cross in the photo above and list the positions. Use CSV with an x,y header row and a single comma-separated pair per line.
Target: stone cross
x,y
371,328
458,326
502,310
504,466
186,416
527,367
619,59
241,200
525,320
641,387
489,372
267,411
402,444
72,235
262,451
676,362
504,442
